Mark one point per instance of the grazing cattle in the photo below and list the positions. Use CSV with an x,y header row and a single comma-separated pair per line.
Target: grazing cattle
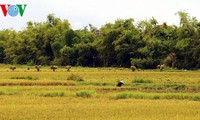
x,y
158,66
120,83
133,68
53,67
161,67
170,60
68,67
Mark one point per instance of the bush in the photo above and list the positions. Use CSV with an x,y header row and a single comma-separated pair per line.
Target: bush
x,y
85,93
75,78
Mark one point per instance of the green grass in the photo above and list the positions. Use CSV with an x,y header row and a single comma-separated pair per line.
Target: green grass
x,y
141,95
85,93
10,91
141,81
2,93
52,94
164,86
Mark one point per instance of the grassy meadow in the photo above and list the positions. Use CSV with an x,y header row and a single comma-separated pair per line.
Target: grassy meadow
x,y
91,94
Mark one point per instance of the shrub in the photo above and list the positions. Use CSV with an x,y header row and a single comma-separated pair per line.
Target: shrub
x,y
85,93
75,78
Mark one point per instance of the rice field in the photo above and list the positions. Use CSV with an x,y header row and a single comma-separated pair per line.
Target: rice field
x,y
91,94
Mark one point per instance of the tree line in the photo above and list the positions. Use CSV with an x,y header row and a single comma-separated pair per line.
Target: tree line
x,y
123,43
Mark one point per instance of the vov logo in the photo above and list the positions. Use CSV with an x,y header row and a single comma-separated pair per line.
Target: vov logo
x,y
13,10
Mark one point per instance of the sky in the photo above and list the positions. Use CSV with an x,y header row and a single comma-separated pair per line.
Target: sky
x,y
80,13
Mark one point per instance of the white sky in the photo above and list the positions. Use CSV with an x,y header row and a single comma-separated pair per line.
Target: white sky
x,y
98,12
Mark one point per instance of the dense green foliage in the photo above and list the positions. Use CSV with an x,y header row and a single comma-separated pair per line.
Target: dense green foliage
x,y
144,44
